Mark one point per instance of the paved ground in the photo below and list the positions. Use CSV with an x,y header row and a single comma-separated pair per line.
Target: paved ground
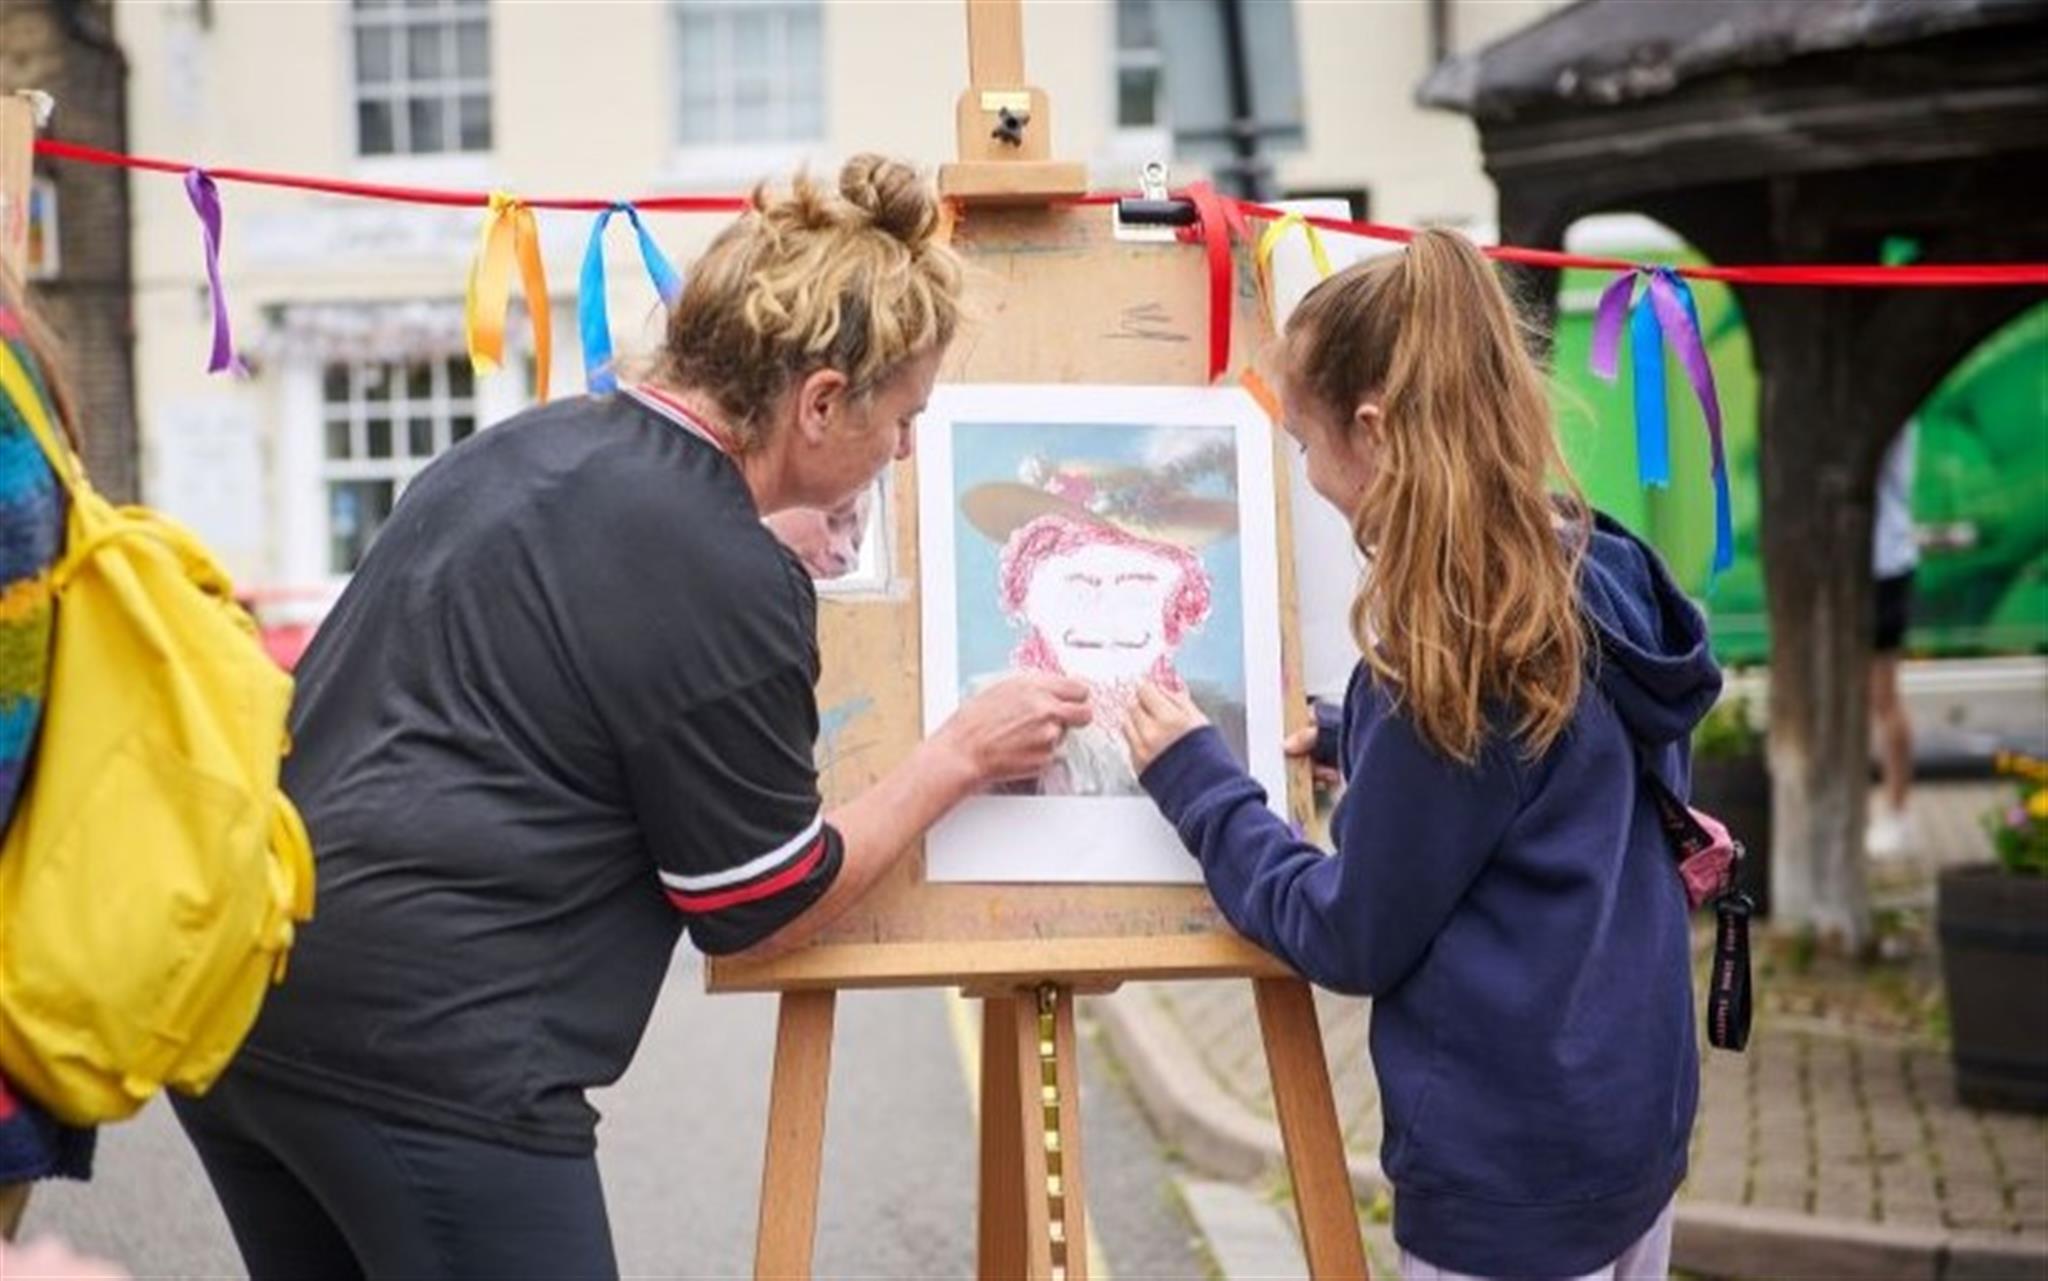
x,y
680,1148
1841,1116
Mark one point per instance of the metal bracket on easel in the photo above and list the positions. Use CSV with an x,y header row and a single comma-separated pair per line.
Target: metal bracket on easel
x,y
1152,215
1050,1103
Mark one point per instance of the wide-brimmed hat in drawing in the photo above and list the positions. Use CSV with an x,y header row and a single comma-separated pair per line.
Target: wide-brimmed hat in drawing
x,y
1165,503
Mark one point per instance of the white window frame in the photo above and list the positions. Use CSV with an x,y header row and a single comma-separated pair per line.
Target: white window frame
x,y
720,163
1137,144
400,89
400,466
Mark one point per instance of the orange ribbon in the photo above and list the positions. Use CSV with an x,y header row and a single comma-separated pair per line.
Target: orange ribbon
x,y
509,234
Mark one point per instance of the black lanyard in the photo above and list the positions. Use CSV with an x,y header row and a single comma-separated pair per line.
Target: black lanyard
x,y
1728,988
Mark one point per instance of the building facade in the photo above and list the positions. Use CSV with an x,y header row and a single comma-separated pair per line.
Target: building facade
x,y
79,241
349,312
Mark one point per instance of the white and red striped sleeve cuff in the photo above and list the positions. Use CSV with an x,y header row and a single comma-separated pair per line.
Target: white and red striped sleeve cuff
x,y
735,907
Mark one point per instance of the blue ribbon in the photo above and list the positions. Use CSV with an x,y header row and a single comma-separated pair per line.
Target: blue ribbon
x,y
591,315
1653,424
1665,311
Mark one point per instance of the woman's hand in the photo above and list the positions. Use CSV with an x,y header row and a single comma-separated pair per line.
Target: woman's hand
x,y
1011,730
1159,719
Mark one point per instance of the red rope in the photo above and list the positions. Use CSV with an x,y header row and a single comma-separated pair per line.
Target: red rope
x,y
1920,275
377,190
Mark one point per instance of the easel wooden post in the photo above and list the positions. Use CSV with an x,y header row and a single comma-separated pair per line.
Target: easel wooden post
x,y
17,172
1031,1211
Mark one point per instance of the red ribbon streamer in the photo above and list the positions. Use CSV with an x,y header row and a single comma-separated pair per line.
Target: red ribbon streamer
x,y
1848,275
1215,230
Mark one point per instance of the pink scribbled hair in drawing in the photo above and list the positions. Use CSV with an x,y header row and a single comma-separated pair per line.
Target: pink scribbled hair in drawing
x,y
1033,544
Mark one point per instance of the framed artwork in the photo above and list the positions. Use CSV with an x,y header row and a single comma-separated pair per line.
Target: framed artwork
x,y
1115,535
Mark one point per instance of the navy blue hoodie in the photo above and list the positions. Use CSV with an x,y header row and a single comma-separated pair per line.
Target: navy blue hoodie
x,y
1521,927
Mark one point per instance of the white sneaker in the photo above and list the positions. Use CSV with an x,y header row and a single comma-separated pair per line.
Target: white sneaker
x,y
1890,830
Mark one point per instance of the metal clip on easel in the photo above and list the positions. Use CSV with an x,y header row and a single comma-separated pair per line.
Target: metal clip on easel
x,y
1152,215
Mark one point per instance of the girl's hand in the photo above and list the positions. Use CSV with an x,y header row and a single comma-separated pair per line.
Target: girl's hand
x,y
1159,719
1302,743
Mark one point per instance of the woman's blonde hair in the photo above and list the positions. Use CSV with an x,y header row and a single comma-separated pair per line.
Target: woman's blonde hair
x,y
1470,609
859,281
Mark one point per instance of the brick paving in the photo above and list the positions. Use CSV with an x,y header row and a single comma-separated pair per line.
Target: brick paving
x,y
1843,1107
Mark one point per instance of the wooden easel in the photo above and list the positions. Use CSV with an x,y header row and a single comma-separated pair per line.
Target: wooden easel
x,y
1026,951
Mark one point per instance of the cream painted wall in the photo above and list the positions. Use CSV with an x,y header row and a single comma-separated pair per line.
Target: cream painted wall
x,y
583,104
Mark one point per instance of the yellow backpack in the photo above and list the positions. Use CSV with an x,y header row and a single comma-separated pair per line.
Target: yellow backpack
x,y
153,870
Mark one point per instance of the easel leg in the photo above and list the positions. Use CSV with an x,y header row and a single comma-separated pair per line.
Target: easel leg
x,y
788,1224
1308,1127
1000,1240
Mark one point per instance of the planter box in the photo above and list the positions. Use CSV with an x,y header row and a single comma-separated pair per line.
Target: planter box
x,y
1994,960
1737,790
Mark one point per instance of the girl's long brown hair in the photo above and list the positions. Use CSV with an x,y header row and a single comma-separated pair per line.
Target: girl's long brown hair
x,y
1469,612
42,344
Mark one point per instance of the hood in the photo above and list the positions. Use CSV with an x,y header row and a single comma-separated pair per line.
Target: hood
x,y
1654,663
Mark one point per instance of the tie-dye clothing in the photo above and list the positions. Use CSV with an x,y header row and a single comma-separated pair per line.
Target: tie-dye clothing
x,y
32,1145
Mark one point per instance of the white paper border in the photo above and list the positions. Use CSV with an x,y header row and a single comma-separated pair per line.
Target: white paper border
x,y
1100,840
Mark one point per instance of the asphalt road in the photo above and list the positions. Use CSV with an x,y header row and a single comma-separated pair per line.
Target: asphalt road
x,y
680,1147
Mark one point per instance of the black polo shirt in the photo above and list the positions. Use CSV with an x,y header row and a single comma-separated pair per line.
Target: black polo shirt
x,y
563,713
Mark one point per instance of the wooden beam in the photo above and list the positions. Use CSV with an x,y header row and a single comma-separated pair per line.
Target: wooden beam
x,y
1090,964
17,171
995,44
1000,1246
1323,1203
787,1229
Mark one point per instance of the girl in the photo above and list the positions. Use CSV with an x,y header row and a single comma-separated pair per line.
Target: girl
x,y
1501,885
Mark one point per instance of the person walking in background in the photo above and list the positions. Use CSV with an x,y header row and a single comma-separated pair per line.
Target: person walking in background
x,y
33,1145
1502,885
1894,555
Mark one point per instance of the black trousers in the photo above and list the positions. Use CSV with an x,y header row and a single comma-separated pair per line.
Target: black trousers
x,y
317,1189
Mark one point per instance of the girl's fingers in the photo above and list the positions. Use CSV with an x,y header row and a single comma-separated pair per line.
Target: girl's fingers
x,y
1132,739
1150,698
1301,742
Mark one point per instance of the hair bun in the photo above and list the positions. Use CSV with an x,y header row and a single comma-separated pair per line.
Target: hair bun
x,y
895,199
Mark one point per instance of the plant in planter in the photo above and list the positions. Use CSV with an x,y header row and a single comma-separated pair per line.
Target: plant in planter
x,y
1994,951
1732,781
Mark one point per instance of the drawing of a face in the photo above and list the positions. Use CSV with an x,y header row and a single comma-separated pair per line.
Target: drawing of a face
x,y
1101,605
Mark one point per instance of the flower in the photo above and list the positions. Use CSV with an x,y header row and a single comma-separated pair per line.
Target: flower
x,y
2037,804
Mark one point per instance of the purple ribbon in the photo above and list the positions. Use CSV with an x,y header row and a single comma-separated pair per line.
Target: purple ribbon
x,y
1607,326
205,199
1680,318
1671,317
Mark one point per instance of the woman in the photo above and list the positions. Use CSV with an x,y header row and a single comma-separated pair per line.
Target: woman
x,y
1501,884
563,714
33,1144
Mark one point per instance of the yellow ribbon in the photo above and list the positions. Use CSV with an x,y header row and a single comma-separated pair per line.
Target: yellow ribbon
x,y
1270,239
509,234
1280,227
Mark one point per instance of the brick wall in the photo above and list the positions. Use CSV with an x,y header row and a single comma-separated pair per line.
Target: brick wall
x,y
64,47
